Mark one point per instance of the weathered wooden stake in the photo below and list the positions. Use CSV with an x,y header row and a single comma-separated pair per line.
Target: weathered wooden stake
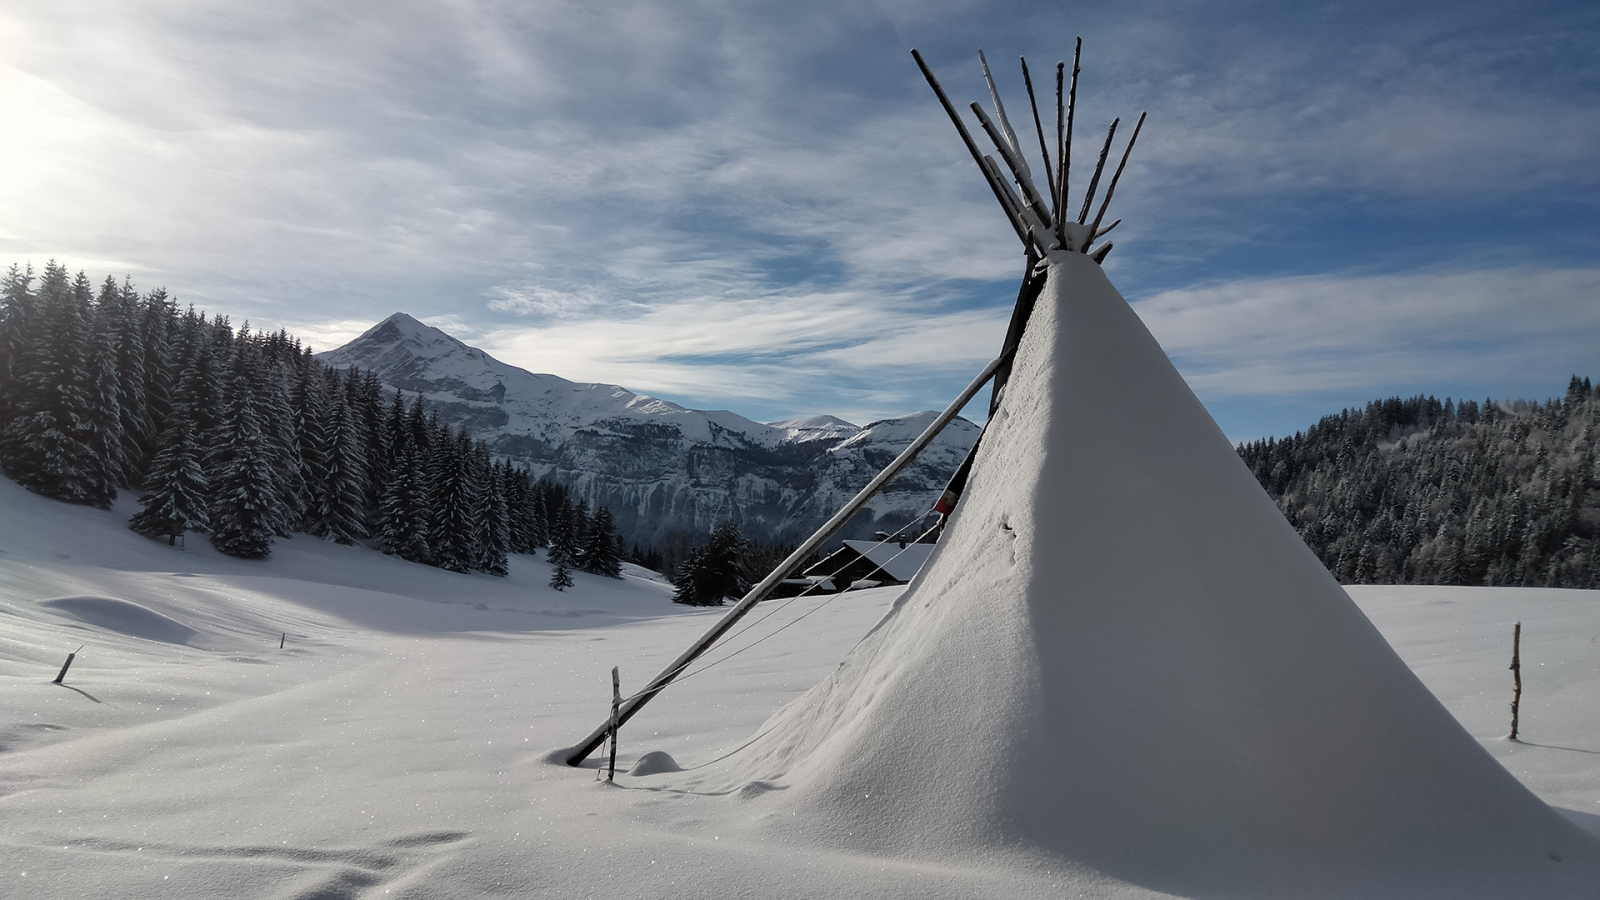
x,y
1516,674
616,705
67,665
285,637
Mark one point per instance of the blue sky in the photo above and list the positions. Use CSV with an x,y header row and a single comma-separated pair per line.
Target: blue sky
x,y
760,206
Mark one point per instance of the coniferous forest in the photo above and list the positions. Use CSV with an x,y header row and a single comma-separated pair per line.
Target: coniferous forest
x,y
246,437
1422,492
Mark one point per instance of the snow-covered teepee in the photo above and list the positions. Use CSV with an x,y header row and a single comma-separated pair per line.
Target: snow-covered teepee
x,y
1121,656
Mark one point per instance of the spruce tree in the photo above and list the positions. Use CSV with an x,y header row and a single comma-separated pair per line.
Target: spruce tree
x,y
563,537
495,540
139,441
338,512
309,410
560,578
538,517
103,416
519,508
402,519
17,323
174,498
159,322
712,572
686,578
243,502
454,527
601,556
47,446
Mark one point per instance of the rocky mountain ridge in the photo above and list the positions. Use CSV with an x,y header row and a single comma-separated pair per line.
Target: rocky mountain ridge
x,y
659,466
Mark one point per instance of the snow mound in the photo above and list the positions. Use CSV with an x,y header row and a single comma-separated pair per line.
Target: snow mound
x,y
1120,655
123,617
654,763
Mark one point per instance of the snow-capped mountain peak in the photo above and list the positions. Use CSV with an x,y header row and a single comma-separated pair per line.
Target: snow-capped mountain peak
x,y
656,464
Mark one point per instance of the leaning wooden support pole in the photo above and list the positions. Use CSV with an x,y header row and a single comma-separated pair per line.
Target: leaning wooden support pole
x,y
616,702
67,665
1516,676
800,555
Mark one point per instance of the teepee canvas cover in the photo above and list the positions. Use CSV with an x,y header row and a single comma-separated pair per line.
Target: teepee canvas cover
x,y
1122,656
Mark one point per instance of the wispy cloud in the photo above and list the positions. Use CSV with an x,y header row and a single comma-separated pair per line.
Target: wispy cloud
x,y
1521,329
760,205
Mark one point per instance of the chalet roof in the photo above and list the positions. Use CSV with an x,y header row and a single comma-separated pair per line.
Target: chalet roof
x,y
898,564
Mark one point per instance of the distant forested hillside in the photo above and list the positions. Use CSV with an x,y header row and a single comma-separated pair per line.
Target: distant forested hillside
x,y
246,437
1421,492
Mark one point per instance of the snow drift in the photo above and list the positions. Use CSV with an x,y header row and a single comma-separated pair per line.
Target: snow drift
x,y
123,617
1122,655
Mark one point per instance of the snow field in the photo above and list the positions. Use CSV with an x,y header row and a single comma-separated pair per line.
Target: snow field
x,y
397,746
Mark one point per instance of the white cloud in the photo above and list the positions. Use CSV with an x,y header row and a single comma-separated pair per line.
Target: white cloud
x,y
703,199
540,300
1521,328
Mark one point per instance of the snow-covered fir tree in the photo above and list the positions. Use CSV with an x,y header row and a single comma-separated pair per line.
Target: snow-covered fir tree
x,y
563,537
338,510
103,418
560,578
601,555
243,507
712,572
175,487
494,525
452,539
48,445
538,517
403,518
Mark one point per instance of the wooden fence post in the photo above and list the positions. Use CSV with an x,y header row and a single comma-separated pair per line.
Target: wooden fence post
x,y
616,704
67,665
1516,674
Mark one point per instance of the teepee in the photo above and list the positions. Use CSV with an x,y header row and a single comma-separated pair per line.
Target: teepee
x,y
1120,656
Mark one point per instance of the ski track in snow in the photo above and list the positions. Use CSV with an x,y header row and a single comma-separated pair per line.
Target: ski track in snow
x,y
398,745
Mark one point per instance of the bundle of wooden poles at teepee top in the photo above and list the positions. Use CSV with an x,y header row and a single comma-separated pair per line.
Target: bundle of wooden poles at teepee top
x,y
1042,227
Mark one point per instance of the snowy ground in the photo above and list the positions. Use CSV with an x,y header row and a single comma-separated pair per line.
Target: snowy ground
x,y
397,745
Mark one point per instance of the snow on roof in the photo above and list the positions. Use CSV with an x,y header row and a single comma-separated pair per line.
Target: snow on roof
x,y
900,564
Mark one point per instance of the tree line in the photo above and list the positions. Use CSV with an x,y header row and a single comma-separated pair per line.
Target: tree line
x,y
247,437
1421,492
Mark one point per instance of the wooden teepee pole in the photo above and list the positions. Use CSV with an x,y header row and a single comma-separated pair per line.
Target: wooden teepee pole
x,y
1066,144
972,147
1094,183
1112,188
1044,149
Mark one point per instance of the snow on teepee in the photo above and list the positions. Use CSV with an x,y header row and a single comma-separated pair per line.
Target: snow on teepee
x,y
1123,657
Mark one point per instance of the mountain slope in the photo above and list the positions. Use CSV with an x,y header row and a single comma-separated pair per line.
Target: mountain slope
x,y
657,465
